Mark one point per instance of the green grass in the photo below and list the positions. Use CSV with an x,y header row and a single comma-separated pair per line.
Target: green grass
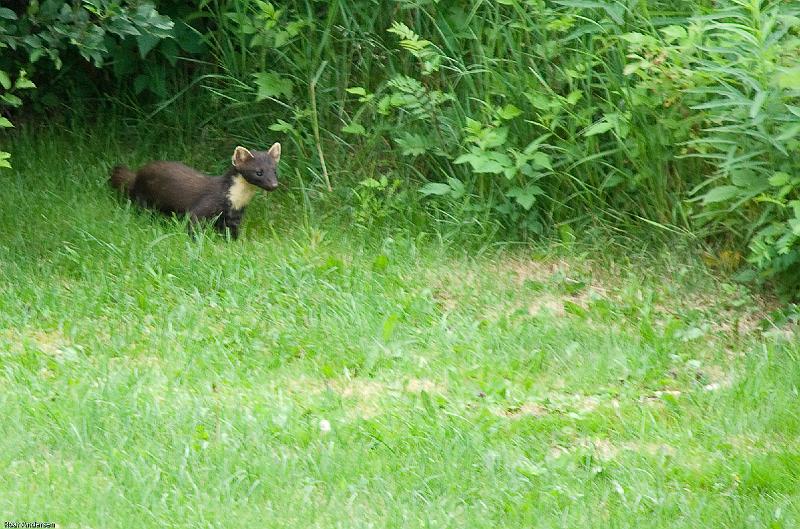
x,y
149,380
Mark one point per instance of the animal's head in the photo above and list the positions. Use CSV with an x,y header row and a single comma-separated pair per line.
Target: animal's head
x,y
260,168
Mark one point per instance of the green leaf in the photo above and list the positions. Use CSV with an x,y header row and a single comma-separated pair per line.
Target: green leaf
x,y
673,33
789,79
748,180
526,196
281,126
632,67
5,123
721,194
456,186
789,132
526,201
496,137
634,38
5,80
779,179
598,128
357,90
146,42
758,102
7,14
371,183
4,156
23,82
541,159
612,180
486,162
140,83
354,128
271,85
435,188
508,112
574,96
11,99
412,144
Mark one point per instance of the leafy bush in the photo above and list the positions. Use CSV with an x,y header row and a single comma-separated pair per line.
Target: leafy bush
x,y
746,87
44,31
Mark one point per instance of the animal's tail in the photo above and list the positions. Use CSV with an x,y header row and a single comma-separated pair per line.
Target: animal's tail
x,y
122,178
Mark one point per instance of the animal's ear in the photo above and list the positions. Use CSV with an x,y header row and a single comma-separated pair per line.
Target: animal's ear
x,y
275,152
241,155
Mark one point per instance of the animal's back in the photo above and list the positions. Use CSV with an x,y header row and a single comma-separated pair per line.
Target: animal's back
x,y
172,186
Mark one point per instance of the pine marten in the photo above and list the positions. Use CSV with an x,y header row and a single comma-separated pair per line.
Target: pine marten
x,y
172,187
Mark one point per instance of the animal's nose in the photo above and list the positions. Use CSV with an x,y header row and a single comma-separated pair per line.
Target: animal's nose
x,y
272,186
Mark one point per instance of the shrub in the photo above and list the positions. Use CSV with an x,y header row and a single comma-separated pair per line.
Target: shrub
x,y
747,90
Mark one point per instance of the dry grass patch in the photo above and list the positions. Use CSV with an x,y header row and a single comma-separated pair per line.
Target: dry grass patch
x,y
607,450
362,398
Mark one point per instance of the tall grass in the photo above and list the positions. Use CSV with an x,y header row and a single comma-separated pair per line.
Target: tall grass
x,y
534,94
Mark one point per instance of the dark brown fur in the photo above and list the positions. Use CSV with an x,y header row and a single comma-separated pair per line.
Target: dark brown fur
x,y
172,187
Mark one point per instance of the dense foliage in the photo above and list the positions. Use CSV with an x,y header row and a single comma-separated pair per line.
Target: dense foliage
x,y
535,115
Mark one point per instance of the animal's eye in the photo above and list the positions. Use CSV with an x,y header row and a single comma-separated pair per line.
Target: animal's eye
x,y
259,173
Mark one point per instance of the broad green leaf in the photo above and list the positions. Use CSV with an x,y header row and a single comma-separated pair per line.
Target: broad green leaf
x,y
789,79
23,82
789,132
413,144
146,42
526,196
435,188
574,96
633,67
494,137
541,159
614,12
354,128
598,128
509,112
721,194
5,80
281,126
7,13
371,183
457,189
541,101
486,162
779,179
5,123
271,85
11,99
357,90
633,38
673,33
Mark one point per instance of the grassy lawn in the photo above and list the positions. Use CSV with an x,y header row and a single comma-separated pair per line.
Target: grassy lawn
x,y
316,374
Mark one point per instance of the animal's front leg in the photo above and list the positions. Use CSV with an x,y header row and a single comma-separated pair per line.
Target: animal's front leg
x,y
231,228
229,223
